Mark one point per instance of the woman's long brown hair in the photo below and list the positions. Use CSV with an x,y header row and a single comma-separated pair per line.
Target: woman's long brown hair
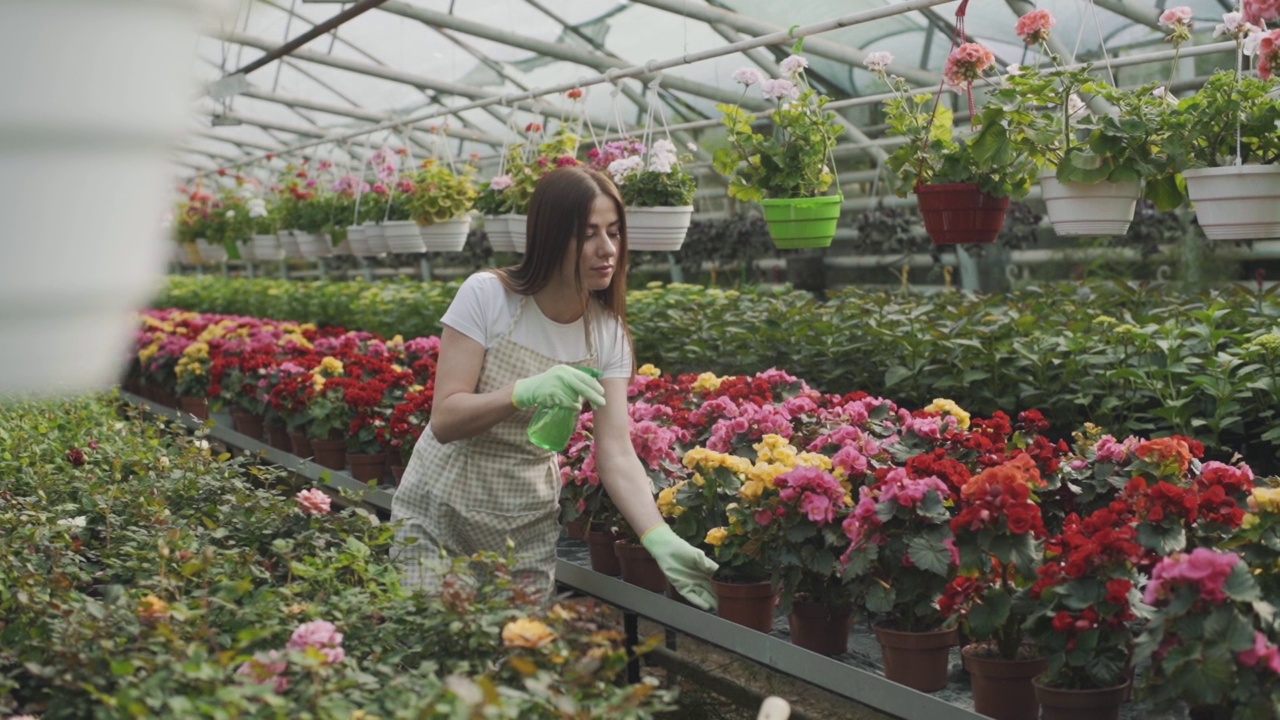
x,y
559,213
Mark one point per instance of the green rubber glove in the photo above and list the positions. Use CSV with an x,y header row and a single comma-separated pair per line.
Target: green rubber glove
x,y
560,386
687,568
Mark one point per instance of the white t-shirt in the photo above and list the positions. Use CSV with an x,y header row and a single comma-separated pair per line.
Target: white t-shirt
x,y
483,308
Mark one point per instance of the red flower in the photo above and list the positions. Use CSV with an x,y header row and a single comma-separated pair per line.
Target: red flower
x,y
1063,622
1118,591
76,456
575,94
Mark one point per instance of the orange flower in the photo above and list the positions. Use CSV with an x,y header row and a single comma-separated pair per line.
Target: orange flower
x,y
1164,451
527,633
152,609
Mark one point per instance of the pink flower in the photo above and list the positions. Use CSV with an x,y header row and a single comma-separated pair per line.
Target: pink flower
x,y
321,635
748,76
1207,569
1175,17
763,518
793,65
967,63
818,508
1261,11
878,62
1108,450
266,668
1034,27
313,501
780,89
500,183
1269,55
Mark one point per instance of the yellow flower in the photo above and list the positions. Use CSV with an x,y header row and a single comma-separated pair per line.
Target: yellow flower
x,y
1105,320
148,352
667,501
716,536
317,382
765,473
699,480
1265,499
814,460
153,609
739,465
707,382
415,388
943,405
331,365
648,370
1250,520
785,456
527,633
751,490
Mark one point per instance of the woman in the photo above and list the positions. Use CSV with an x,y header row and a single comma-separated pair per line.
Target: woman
x,y
511,338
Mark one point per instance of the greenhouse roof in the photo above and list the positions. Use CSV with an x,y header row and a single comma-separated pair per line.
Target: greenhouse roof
x,y
387,62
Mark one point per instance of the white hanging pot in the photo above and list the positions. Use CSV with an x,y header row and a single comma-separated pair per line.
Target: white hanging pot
x,y
246,250
518,226
342,248
498,228
1236,202
356,241
289,243
211,252
658,229
266,248
314,245
376,238
402,236
447,236
1080,209
99,92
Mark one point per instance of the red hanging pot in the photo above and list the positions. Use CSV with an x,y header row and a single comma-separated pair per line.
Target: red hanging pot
x,y
961,214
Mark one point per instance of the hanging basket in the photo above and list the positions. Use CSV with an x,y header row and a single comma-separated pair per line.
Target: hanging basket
x,y
658,229
796,223
1236,202
313,245
266,248
402,236
211,252
447,236
357,242
376,239
961,214
289,243
496,228
131,62
1099,209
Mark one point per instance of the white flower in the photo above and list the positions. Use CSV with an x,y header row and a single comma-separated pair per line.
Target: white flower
x,y
878,61
692,146
163,462
231,214
257,208
1075,105
780,89
793,65
465,689
663,147
1230,24
1252,38
1163,93
78,521
202,444
248,192
1014,70
625,167
662,163
748,76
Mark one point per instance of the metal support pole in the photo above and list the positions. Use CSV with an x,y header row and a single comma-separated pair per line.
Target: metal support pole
x,y
284,269
365,269
670,638
249,270
631,627
424,267
323,267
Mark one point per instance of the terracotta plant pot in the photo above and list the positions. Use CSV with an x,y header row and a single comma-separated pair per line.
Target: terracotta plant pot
x,y
330,453
367,467
301,444
918,660
1002,688
1062,704
278,437
193,405
397,472
604,559
820,627
748,604
248,424
577,529
961,214
638,566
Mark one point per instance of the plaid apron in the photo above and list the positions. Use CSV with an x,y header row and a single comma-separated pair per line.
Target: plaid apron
x,y
471,495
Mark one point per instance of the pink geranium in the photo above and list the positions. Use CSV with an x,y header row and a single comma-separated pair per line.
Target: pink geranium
x,y
321,635
1034,27
967,63
313,501
1261,11
1176,16
1269,55
1207,569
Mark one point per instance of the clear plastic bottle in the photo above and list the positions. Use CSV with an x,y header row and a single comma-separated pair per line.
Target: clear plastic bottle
x,y
552,427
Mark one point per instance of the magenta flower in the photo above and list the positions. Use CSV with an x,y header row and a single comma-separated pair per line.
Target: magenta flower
x,y
321,635
1205,568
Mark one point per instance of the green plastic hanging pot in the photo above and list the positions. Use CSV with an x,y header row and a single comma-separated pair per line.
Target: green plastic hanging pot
x,y
796,223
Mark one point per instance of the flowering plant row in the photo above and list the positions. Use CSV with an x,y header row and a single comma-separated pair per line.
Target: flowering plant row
x,y
327,384
933,518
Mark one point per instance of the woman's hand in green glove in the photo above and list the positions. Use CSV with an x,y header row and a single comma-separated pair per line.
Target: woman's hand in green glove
x,y
560,386
687,568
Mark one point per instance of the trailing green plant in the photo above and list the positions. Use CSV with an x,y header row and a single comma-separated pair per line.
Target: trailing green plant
x,y
441,193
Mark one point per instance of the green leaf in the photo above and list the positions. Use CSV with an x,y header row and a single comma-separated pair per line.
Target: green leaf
x,y
989,614
879,598
929,555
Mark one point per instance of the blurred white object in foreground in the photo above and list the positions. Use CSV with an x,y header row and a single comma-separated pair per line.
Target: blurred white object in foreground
x,y
95,93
